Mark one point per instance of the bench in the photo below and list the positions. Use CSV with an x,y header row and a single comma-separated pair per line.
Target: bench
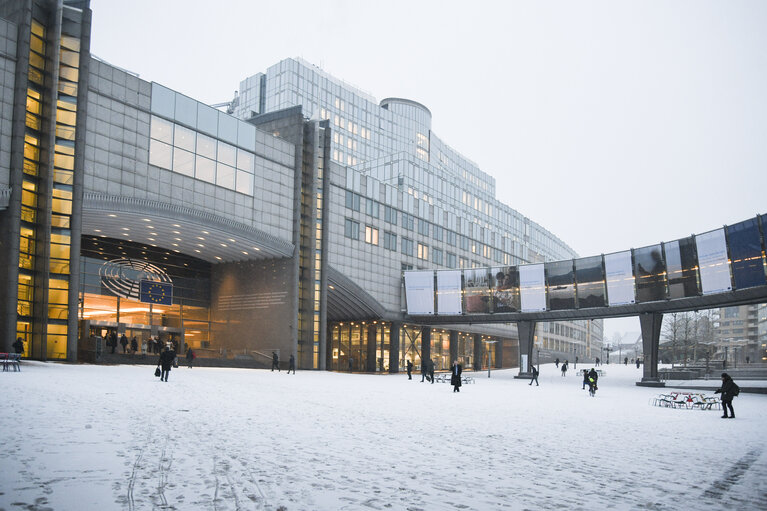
x,y
11,361
445,378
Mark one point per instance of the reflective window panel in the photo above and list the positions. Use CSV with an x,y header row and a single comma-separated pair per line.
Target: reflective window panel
x,y
650,274
681,268
505,289
560,280
477,290
713,262
745,245
590,282
619,278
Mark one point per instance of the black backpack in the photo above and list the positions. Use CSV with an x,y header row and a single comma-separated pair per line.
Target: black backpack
x,y
735,389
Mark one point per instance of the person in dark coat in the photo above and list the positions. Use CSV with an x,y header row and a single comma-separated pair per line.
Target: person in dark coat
x,y
166,362
535,377
585,378
424,369
727,390
292,364
593,377
124,343
189,356
564,368
18,346
134,345
430,369
455,376
409,370
275,362
556,362
626,361
637,362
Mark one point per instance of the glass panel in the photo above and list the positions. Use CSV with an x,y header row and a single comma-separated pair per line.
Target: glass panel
x,y
619,278
160,154
61,206
449,292
186,110
532,287
70,58
68,88
506,289
227,154
246,136
227,128
63,176
560,280
65,132
713,262
206,170
590,282
60,221
206,146
681,265
183,162
72,43
650,274
225,176
244,182
71,74
161,130
36,44
746,254
184,137
163,101
207,119
64,161
245,161
477,290
35,76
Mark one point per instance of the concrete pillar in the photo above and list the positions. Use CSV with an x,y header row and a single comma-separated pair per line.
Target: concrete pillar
x,y
394,347
650,324
526,331
425,343
479,352
453,346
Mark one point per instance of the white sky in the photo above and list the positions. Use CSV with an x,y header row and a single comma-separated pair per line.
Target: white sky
x,y
87,437
613,124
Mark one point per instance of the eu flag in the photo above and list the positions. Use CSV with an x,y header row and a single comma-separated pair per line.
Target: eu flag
x,y
152,291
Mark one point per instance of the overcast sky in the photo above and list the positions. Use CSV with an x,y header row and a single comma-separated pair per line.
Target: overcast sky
x,y
613,124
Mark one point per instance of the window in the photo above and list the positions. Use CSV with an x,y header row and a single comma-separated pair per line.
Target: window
x,y
463,262
408,222
423,227
452,238
352,229
352,201
407,246
438,233
390,215
436,256
423,251
464,242
450,260
371,235
390,241
371,208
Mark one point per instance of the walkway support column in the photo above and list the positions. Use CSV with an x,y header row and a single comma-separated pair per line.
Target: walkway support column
x,y
478,352
651,324
425,344
453,347
526,332
394,347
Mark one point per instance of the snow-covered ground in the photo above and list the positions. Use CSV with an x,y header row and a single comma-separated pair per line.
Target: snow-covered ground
x,y
82,437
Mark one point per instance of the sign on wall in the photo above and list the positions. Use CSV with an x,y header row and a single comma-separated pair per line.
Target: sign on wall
x,y
712,262
449,292
532,288
419,292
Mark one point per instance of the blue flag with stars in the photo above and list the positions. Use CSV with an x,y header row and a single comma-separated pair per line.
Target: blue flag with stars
x,y
151,291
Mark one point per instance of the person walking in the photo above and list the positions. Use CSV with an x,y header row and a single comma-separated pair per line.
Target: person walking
x,y
430,369
189,356
18,346
166,362
292,364
134,345
455,376
409,370
275,362
564,368
556,362
535,377
585,378
637,362
124,343
626,361
728,390
424,369
593,377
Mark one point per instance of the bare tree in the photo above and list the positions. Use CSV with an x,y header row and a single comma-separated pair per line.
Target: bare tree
x,y
672,332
